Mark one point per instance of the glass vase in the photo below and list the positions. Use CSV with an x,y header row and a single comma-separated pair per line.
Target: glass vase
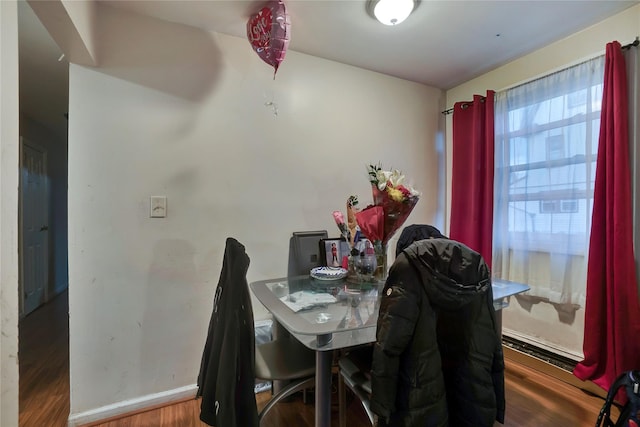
x,y
381,260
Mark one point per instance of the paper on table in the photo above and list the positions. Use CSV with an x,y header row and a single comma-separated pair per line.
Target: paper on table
x,y
303,299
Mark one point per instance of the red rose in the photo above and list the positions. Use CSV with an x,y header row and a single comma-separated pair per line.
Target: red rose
x,y
405,191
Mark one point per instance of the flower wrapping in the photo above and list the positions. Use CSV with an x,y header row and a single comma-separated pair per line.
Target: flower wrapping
x,y
371,222
393,202
382,220
394,213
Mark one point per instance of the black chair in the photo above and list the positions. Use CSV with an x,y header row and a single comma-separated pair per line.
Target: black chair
x,y
304,254
231,361
304,251
285,359
354,367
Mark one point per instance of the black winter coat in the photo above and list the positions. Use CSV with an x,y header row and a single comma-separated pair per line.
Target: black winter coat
x,y
227,372
438,360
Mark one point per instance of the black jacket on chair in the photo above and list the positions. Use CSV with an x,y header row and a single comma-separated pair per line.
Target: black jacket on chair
x,y
438,360
227,374
414,232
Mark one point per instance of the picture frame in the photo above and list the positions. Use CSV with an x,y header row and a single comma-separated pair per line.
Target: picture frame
x,y
329,257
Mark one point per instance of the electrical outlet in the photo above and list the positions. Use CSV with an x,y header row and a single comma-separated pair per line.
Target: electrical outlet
x,y
158,207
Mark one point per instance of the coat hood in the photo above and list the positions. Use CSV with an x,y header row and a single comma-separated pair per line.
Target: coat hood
x,y
452,273
415,232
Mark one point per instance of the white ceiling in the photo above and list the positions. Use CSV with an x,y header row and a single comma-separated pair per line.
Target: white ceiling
x,y
442,44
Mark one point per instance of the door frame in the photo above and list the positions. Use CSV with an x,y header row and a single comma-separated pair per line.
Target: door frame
x,y
47,189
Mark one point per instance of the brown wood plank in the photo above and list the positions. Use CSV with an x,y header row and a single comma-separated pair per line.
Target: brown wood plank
x,y
43,357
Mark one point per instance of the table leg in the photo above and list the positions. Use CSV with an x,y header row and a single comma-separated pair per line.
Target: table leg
x,y
323,388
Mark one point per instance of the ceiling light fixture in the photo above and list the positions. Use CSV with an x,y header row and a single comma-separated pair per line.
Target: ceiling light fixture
x,y
390,12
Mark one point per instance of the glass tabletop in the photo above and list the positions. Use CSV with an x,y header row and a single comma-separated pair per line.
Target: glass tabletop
x,y
309,306
503,289
315,308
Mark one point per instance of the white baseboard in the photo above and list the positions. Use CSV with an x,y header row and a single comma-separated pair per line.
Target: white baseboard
x,y
131,405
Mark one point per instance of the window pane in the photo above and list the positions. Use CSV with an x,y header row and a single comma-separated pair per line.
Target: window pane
x,y
546,145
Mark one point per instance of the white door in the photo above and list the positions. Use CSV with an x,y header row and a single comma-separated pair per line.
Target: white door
x,y
35,227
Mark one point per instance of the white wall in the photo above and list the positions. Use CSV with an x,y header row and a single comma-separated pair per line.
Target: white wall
x,y
541,321
177,112
9,213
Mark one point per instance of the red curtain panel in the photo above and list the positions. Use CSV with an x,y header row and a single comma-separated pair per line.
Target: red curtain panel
x,y
612,312
472,174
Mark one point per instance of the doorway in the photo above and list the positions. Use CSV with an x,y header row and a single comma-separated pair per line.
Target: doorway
x,y
43,247
33,214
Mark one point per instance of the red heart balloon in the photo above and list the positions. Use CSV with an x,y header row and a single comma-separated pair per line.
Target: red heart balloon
x,y
268,32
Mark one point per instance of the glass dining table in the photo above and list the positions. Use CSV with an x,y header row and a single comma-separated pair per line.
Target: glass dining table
x,y
327,315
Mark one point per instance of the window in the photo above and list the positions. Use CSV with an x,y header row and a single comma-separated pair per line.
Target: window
x,y
546,146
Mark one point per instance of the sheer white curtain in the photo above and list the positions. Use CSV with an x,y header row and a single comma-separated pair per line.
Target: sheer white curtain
x,y
632,59
546,144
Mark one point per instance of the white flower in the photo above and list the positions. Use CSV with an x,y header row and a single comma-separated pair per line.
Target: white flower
x,y
382,177
388,180
396,178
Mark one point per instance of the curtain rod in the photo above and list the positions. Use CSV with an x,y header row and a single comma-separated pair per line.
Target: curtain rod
x,y
636,42
464,105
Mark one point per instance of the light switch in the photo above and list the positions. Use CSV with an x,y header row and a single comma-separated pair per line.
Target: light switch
x,y
158,207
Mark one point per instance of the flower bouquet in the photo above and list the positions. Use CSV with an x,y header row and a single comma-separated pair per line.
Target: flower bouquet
x,y
393,201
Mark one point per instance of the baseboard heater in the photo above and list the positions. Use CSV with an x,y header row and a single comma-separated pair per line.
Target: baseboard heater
x,y
547,362
539,353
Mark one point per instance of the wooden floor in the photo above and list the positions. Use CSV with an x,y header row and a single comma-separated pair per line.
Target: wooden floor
x,y
534,399
43,355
